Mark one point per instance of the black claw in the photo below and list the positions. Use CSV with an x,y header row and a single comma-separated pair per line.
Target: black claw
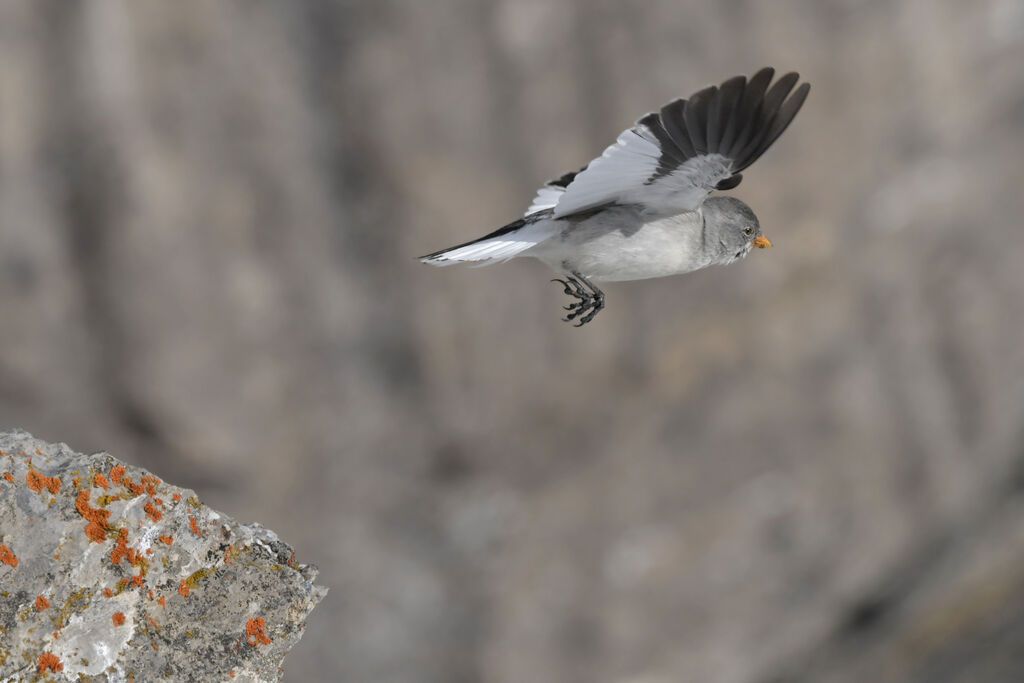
x,y
565,285
590,299
590,316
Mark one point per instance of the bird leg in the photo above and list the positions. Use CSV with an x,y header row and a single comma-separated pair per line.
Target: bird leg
x,y
590,299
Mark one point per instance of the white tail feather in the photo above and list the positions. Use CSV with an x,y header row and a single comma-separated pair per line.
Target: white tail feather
x,y
496,249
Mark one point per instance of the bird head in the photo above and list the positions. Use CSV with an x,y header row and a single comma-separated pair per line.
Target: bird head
x,y
732,229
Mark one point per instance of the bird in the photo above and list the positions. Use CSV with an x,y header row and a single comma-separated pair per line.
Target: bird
x,y
642,209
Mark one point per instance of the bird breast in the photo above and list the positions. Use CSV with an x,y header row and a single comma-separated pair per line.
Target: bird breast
x,y
622,244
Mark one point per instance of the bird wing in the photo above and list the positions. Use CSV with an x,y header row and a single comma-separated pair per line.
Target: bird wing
x,y
547,198
548,195
672,159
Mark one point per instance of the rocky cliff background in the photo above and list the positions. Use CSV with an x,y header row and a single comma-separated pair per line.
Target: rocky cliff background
x,y
805,467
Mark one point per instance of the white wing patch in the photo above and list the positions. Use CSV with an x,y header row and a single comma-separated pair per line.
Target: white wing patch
x,y
685,188
547,198
497,249
626,174
629,162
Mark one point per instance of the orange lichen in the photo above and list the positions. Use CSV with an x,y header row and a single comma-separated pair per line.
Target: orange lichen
x,y
101,480
7,556
231,673
116,472
183,589
10,477
138,580
95,532
120,550
194,526
119,618
37,481
98,525
163,601
108,593
176,497
42,603
153,513
150,593
150,483
50,662
149,551
227,554
166,539
256,632
77,481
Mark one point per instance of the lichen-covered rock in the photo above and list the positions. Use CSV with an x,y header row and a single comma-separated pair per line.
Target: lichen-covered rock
x,y
109,574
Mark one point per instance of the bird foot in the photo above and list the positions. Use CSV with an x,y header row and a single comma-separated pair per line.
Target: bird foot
x,y
590,299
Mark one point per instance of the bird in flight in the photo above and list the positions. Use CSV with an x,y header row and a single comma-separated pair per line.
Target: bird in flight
x,y
641,209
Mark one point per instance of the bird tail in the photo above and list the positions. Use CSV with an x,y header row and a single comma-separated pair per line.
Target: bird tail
x,y
501,245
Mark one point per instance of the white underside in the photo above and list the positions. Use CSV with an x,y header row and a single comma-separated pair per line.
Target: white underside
x,y
620,244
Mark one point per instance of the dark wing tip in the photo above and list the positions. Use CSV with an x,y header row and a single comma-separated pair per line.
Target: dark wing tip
x,y
744,117
672,121
787,112
695,116
730,182
565,178
671,155
766,72
770,115
722,125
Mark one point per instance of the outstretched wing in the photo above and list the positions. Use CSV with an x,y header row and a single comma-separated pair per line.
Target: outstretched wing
x,y
671,160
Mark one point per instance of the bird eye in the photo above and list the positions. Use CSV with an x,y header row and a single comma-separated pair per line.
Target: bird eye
x,y
748,231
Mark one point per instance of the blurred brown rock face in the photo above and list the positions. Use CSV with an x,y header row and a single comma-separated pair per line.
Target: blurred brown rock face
x,y
801,467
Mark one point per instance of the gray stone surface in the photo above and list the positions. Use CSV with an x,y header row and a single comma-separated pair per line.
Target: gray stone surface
x,y
108,573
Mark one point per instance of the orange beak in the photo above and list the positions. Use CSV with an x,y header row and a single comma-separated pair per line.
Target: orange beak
x,y
762,242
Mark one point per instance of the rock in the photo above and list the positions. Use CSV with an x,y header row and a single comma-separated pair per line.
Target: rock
x,y
110,573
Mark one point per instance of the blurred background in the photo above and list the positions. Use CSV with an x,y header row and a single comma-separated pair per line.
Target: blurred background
x,y
808,466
